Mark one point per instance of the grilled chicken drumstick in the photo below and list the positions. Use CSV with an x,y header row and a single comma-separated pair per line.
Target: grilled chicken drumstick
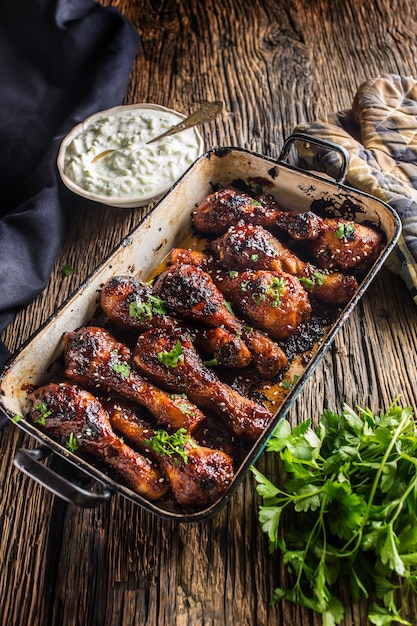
x,y
94,358
132,305
345,245
68,412
247,246
171,360
198,475
191,292
334,243
274,302
226,207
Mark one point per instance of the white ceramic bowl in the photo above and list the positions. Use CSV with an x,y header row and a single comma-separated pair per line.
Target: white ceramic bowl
x,y
127,173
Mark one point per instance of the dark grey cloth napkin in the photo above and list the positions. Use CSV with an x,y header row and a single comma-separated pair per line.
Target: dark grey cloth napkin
x,y
60,61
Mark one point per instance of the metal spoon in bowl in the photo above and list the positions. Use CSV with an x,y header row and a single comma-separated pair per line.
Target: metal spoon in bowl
x,y
205,114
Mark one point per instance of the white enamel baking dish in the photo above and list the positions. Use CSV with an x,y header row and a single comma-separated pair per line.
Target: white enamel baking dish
x,y
166,226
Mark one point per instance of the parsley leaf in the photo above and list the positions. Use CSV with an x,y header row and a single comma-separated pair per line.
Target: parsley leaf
x,y
71,443
121,368
345,231
316,280
169,445
152,306
67,270
275,290
44,413
172,357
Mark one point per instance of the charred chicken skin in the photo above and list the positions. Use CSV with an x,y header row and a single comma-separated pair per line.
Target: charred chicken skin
x,y
170,359
191,292
333,243
247,246
197,477
132,305
94,358
69,412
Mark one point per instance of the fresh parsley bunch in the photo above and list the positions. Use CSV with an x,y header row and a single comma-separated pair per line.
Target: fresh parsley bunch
x,y
351,484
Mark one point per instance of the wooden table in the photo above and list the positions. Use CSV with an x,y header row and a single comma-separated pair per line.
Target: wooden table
x,y
274,64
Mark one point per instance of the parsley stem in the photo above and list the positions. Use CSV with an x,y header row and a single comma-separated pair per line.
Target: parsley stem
x,y
312,536
403,498
359,533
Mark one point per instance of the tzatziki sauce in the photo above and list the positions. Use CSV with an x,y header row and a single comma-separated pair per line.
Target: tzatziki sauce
x,y
109,157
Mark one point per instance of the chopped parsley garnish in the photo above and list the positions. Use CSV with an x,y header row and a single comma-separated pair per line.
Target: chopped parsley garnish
x,y
344,231
172,357
211,363
254,257
258,298
288,384
44,413
170,445
67,270
228,306
71,443
233,273
121,368
185,408
316,280
275,290
153,306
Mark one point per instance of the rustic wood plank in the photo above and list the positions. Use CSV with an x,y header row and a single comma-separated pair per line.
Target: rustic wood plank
x,y
274,64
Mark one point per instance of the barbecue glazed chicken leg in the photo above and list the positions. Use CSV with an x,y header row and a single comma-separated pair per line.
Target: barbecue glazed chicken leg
x,y
275,302
198,476
66,411
334,243
246,246
345,245
227,207
94,358
170,359
191,292
132,305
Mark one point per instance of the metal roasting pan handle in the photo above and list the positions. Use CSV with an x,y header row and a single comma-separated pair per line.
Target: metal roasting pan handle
x,y
29,462
318,152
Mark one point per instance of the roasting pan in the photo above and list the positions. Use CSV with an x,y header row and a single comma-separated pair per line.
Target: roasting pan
x,y
168,225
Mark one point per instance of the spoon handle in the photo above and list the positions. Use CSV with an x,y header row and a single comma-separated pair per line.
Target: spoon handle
x,y
205,114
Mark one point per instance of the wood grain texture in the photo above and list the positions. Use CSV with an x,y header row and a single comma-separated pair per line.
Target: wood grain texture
x,y
274,64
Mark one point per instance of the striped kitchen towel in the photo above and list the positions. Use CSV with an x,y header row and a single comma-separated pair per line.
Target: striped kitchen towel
x,y
380,134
